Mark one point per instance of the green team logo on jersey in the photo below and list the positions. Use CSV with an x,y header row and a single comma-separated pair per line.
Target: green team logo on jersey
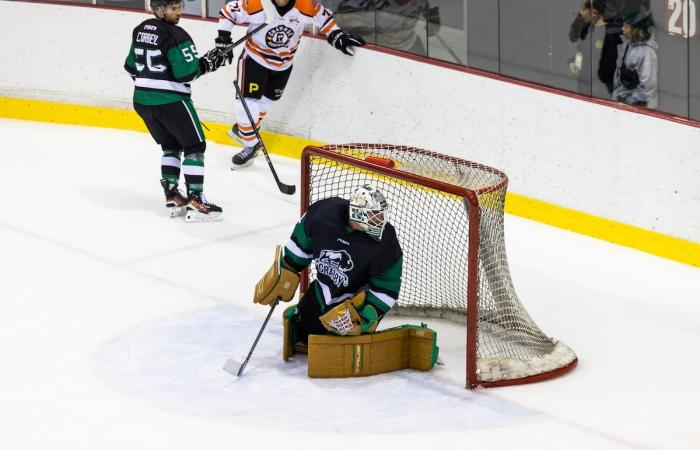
x,y
335,264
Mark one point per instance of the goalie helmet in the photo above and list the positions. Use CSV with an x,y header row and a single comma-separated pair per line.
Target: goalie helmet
x,y
160,5
370,210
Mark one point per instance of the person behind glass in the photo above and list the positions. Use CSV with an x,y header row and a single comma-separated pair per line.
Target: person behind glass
x,y
636,75
589,16
613,13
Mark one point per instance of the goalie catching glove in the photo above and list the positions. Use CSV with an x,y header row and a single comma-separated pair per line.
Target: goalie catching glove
x,y
278,282
352,317
344,42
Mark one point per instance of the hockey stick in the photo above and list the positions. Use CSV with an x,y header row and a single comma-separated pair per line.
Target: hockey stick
x,y
236,44
249,34
288,189
243,39
234,367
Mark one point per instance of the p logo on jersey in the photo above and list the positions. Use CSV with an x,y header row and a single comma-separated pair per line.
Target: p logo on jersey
x,y
278,36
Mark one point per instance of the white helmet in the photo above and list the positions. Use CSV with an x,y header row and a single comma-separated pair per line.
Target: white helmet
x,y
370,210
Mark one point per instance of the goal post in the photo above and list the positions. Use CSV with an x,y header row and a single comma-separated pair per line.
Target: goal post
x,y
448,215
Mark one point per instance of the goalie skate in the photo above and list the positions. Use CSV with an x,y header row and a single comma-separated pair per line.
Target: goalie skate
x,y
175,202
200,210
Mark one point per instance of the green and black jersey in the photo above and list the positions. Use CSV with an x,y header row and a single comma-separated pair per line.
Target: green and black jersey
x,y
163,60
346,260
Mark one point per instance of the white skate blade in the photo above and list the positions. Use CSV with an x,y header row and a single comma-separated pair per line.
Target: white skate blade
x,y
232,366
176,211
233,136
244,165
195,216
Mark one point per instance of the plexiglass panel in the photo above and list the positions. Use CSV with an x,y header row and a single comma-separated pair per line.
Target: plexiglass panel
x,y
579,46
136,4
447,31
213,7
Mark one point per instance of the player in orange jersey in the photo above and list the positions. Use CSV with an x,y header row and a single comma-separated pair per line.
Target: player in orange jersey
x,y
266,61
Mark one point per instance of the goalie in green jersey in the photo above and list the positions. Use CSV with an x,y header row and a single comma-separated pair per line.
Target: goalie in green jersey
x,y
359,263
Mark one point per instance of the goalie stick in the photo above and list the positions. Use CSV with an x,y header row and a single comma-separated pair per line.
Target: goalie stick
x,y
288,189
236,368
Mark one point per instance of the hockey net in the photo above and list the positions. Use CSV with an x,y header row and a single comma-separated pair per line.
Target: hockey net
x,y
448,214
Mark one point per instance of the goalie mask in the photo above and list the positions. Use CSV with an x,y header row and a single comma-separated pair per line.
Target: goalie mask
x,y
370,210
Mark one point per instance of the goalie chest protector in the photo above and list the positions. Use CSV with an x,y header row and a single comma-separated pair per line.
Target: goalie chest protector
x,y
346,259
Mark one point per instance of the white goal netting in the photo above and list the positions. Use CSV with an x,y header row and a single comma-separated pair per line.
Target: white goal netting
x,y
434,200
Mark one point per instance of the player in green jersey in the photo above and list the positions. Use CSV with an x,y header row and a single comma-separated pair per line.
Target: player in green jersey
x,y
163,60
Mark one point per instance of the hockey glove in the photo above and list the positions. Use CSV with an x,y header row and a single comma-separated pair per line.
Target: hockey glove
x,y
224,43
345,42
369,319
352,317
211,60
279,282
342,320
368,315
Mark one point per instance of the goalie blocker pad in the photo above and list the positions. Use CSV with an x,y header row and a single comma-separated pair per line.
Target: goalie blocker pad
x,y
403,347
278,282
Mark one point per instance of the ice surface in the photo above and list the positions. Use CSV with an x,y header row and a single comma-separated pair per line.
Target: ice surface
x,y
116,321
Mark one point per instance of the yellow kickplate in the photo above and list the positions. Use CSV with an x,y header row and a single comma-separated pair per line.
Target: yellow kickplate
x,y
371,354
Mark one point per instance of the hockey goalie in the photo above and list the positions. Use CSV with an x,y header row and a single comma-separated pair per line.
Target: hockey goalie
x,y
358,263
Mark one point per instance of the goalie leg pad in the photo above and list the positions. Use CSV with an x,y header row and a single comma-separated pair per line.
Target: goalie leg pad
x,y
291,345
403,347
288,335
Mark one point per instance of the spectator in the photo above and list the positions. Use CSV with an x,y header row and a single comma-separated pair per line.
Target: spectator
x,y
591,15
636,74
613,13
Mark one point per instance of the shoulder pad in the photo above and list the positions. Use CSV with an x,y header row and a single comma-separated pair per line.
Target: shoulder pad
x,y
307,7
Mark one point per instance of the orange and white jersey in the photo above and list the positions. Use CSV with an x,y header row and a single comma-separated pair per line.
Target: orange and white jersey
x,y
275,45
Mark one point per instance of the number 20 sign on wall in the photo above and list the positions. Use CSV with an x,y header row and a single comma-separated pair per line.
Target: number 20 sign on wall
x,y
681,18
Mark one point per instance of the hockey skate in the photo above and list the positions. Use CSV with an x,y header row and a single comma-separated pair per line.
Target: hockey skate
x,y
200,210
175,202
235,134
245,157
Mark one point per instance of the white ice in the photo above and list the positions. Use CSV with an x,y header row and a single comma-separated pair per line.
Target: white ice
x,y
115,322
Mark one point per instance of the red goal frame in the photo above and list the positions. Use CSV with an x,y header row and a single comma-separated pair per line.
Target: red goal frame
x,y
473,211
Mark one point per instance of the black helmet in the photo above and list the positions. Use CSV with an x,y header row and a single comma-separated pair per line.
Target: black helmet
x,y
159,5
